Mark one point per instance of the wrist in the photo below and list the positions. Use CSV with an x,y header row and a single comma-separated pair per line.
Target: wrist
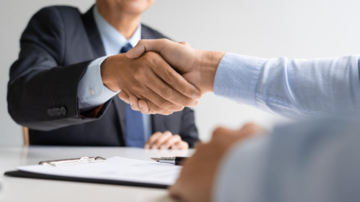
x,y
208,64
107,74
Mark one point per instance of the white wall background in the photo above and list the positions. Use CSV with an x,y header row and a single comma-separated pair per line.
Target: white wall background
x,y
298,28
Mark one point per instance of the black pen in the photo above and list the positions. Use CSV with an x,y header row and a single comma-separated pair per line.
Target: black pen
x,y
170,160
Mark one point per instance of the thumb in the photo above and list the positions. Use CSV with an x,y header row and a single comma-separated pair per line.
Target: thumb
x,y
146,45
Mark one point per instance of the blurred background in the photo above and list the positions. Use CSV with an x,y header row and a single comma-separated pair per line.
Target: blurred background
x,y
296,29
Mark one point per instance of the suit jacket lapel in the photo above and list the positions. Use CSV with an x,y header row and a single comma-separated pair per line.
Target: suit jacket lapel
x,y
145,34
93,33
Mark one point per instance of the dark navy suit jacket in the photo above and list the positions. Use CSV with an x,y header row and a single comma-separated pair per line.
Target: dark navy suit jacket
x,y
56,48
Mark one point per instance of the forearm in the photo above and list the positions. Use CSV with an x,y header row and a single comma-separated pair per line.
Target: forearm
x,y
291,87
45,99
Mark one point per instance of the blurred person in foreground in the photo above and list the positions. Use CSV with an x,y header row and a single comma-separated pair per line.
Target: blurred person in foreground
x,y
71,67
314,160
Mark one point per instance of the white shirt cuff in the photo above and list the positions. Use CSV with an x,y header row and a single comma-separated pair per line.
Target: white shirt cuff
x,y
91,90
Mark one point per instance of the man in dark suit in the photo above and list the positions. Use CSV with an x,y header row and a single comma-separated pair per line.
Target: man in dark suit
x,y
65,82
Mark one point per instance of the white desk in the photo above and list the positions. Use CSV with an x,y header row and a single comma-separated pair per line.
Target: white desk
x,y
31,190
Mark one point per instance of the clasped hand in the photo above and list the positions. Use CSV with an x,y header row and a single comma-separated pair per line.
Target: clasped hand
x,y
161,76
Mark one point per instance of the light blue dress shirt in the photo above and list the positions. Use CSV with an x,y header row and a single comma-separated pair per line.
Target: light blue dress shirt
x,y
91,90
291,87
314,161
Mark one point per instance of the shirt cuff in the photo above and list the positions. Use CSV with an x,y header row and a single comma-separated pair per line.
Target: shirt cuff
x,y
237,76
91,90
239,176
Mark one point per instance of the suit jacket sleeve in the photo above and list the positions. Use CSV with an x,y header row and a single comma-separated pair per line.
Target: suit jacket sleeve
x,y
42,94
188,129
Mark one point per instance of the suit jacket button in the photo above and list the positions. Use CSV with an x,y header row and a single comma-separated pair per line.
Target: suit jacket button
x,y
63,111
57,112
50,113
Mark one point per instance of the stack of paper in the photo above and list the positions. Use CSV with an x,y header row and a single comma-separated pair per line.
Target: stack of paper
x,y
115,168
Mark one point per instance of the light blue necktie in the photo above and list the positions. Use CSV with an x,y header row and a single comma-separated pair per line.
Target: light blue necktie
x,y
134,131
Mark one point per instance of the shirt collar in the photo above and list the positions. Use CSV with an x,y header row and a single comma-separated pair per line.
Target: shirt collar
x,y
112,39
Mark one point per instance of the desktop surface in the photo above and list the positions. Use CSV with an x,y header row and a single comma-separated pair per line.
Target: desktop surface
x,y
22,189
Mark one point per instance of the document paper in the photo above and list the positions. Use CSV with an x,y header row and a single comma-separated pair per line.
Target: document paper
x,y
115,168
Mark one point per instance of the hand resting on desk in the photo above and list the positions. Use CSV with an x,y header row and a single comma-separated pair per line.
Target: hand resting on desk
x,y
165,140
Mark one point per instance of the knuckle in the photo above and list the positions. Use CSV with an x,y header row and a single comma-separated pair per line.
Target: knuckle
x,y
141,42
153,138
164,104
164,40
167,133
170,78
150,55
138,89
140,75
250,127
218,131
167,93
177,137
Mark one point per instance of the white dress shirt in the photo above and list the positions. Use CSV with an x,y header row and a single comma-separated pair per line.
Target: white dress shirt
x,y
91,90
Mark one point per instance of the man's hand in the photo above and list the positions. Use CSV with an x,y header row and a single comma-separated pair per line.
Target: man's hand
x,y
165,141
197,67
151,79
196,180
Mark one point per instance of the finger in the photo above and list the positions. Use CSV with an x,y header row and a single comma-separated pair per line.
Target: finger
x,y
184,43
159,105
161,140
152,140
221,130
160,93
251,128
176,81
134,102
172,141
180,145
144,108
146,45
170,94
154,109
124,97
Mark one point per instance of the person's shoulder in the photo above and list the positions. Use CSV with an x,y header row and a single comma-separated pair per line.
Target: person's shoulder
x,y
152,33
55,11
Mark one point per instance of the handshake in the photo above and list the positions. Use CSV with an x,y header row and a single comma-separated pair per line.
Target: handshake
x,y
161,76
